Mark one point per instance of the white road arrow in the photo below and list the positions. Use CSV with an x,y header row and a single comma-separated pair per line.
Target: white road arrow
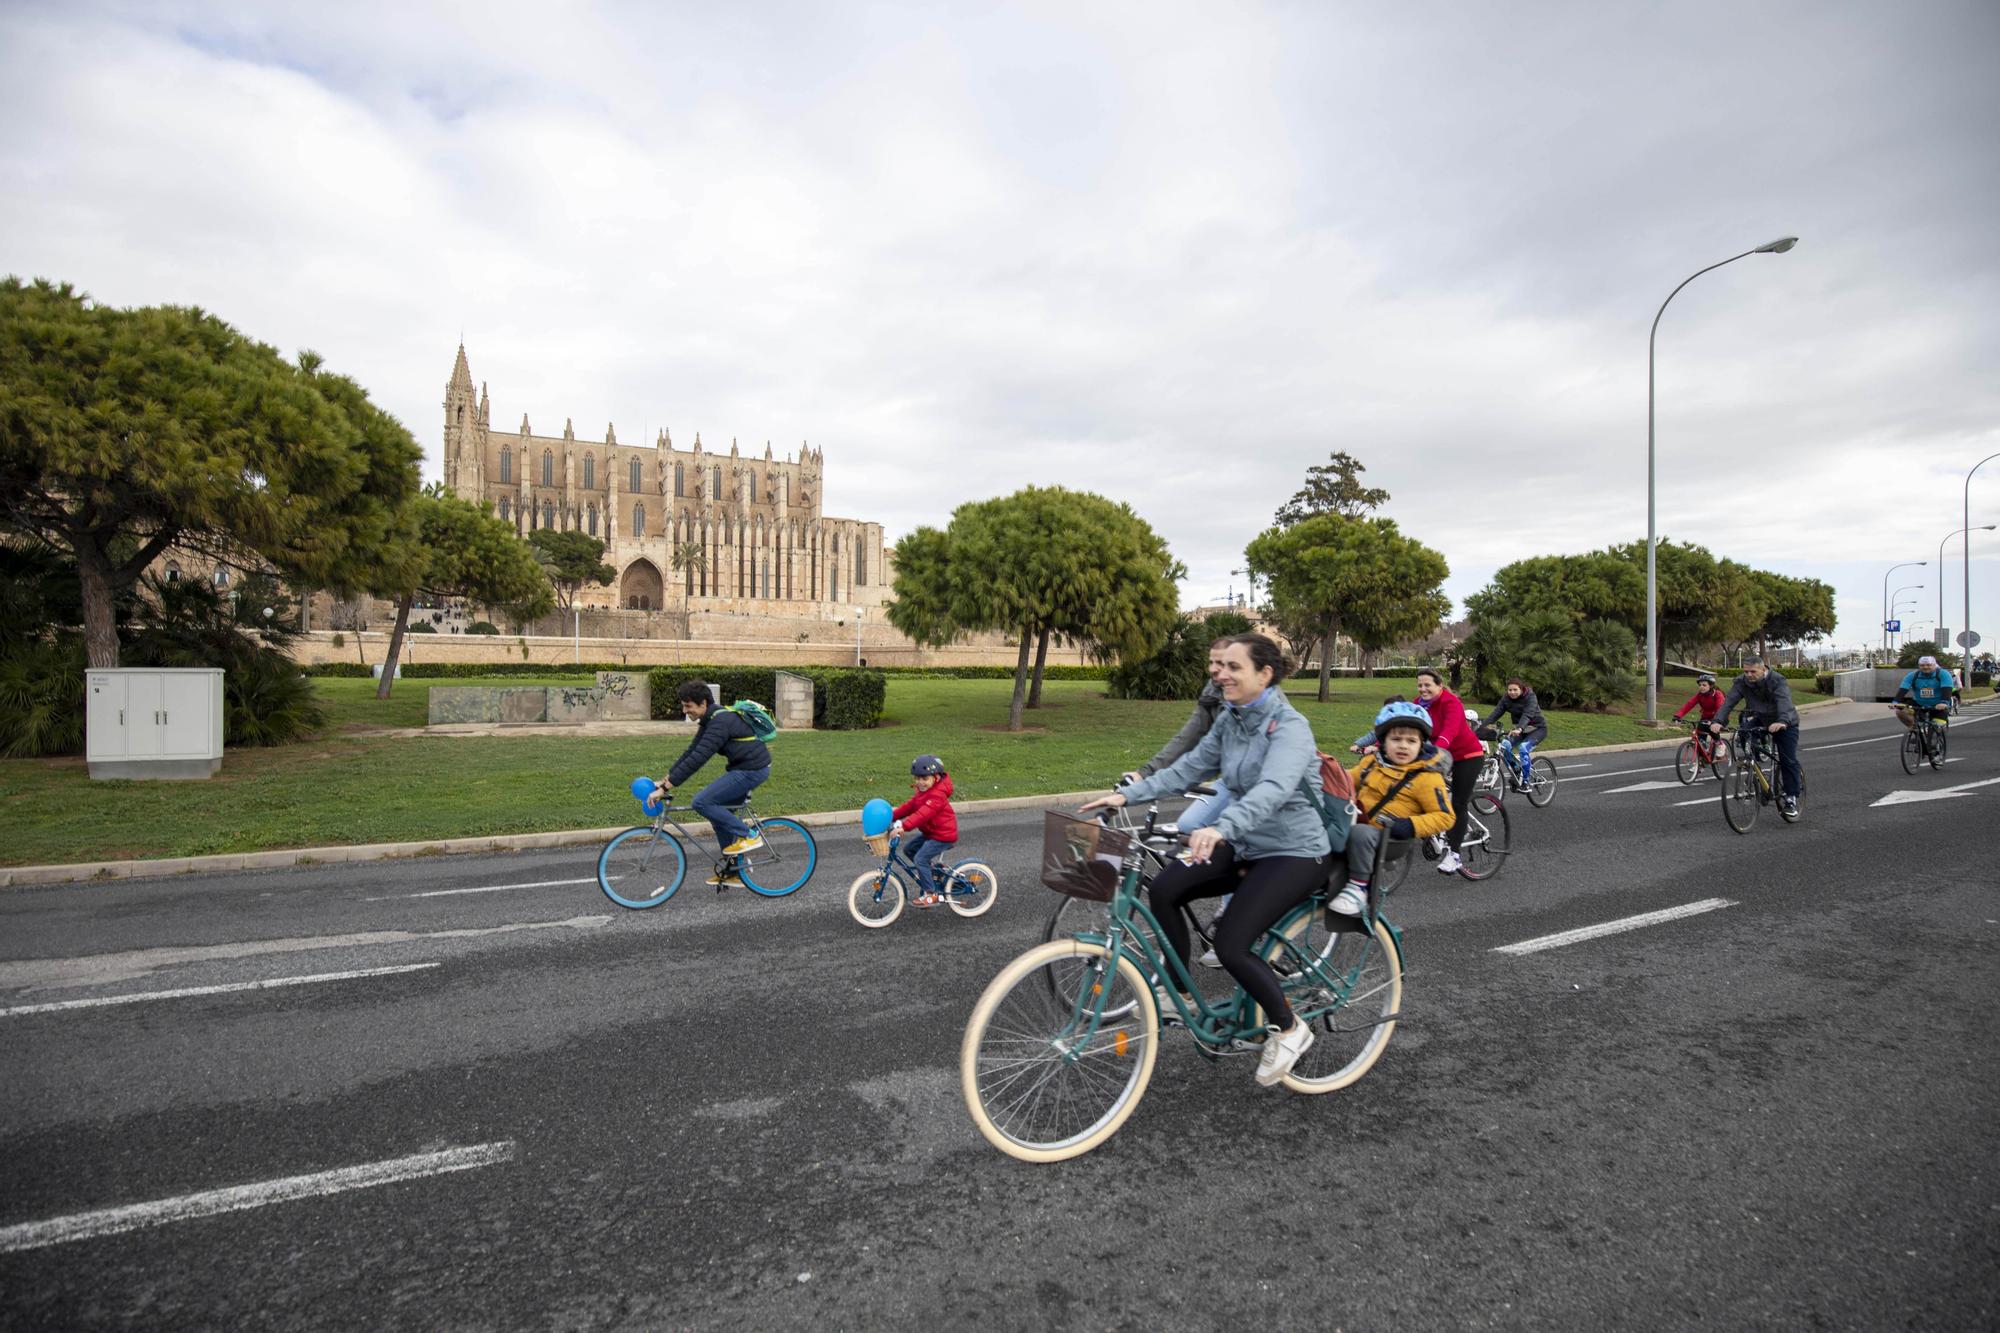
x,y
1941,794
1643,786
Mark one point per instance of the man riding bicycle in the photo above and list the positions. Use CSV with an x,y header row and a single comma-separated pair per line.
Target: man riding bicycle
x,y
1928,691
1767,703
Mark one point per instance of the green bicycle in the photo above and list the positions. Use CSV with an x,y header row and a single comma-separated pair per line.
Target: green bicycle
x,y
1061,1045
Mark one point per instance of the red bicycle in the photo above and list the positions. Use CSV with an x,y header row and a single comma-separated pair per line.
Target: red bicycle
x,y
1702,750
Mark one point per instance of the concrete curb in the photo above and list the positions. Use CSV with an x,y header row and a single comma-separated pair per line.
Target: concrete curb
x,y
97,871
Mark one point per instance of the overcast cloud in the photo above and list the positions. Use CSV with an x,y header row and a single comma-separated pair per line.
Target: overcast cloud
x,y
1175,254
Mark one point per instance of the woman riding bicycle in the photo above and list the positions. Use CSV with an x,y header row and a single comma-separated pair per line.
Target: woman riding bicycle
x,y
1530,727
1269,846
1452,733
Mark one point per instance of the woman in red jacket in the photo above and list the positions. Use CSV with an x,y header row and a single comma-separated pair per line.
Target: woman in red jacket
x,y
928,824
1452,733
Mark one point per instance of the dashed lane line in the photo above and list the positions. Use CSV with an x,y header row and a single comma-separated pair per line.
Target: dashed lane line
x,y
483,888
236,1198
1617,927
183,992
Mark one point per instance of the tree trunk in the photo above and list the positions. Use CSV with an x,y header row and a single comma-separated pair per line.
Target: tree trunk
x,y
100,608
1020,682
1325,667
1041,664
395,646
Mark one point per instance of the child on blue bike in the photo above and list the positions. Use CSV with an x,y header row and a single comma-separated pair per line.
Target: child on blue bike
x,y
928,824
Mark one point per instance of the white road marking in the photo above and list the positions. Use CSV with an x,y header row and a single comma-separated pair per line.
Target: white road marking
x,y
274,983
103,968
1898,735
1625,772
208,1203
1645,786
1941,794
1706,800
484,888
1615,927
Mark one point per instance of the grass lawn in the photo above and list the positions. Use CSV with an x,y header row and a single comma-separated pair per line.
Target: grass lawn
x,y
347,788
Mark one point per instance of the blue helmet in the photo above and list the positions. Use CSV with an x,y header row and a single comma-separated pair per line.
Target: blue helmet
x,y
926,766
1402,715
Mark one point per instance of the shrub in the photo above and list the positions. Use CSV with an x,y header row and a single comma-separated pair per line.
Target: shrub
x,y
482,627
844,698
1823,682
339,639
1586,665
41,697
340,669
1916,648
421,627
266,701
1180,668
1982,678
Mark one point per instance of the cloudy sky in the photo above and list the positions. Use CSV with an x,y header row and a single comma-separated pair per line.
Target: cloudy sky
x,y
1172,253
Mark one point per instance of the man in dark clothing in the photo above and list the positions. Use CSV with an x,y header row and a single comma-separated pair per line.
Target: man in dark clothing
x,y
1767,702
748,766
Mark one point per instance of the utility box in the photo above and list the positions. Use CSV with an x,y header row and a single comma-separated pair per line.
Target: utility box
x,y
153,722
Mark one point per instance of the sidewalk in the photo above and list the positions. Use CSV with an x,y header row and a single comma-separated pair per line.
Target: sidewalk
x,y
1822,712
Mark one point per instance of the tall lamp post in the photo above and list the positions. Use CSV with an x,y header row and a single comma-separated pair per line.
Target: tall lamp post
x,y
1776,247
1896,605
1962,532
1965,661
1907,564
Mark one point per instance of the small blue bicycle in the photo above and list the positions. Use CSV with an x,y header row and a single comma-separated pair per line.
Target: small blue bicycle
x,y
876,897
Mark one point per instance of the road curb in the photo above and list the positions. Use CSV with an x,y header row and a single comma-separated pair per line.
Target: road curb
x,y
98,871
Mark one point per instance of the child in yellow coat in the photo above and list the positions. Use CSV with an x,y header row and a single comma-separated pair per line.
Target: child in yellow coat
x,y
1417,804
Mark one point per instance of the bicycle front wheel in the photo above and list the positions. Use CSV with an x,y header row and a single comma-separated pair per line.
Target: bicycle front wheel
x,y
971,888
875,899
1938,735
1541,782
641,867
1740,797
1487,837
1348,985
784,863
1912,750
1687,763
1045,1077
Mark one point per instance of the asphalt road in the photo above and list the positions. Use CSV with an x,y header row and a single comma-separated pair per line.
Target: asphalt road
x,y
736,1112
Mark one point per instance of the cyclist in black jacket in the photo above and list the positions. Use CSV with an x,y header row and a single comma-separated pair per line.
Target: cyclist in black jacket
x,y
748,767
1767,703
1530,729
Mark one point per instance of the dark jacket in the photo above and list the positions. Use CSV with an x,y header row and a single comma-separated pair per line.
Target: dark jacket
x,y
1525,712
1768,700
725,731
1206,704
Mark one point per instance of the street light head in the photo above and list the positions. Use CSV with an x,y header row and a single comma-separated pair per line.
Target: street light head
x,y
1777,247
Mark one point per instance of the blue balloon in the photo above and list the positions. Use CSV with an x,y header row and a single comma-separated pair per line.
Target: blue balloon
x,y
648,793
876,817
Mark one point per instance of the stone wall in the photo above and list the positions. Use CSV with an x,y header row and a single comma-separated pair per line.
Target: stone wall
x,y
371,645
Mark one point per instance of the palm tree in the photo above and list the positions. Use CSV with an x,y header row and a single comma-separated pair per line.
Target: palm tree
x,y
686,557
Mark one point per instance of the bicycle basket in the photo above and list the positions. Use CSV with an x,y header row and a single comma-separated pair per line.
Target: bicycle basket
x,y
878,843
1082,858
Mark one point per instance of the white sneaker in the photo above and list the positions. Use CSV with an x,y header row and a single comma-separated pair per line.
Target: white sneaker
x,y
1169,1015
1451,864
1210,960
1350,900
1281,1051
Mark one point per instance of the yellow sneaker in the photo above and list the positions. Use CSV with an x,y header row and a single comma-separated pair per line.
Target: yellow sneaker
x,y
732,880
742,845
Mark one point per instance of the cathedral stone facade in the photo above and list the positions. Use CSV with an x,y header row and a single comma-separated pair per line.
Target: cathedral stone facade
x,y
725,531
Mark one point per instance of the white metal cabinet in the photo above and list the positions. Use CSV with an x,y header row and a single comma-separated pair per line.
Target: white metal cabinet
x,y
153,722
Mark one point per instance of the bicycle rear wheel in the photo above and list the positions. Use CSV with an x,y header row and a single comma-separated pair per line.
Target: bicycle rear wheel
x,y
641,867
1488,834
1912,750
1740,798
784,863
1348,984
1687,763
971,887
1541,782
875,898
1045,1080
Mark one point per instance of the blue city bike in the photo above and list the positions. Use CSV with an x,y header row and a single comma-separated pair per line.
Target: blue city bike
x,y
644,866
876,897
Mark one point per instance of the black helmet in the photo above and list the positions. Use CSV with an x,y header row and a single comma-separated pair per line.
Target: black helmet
x,y
1703,679
926,766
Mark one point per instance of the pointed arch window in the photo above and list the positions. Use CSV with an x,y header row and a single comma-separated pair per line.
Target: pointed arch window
x,y
680,482
860,563
590,472
635,483
506,513
506,463
548,467
591,513
715,482
638,518
548,514
750,487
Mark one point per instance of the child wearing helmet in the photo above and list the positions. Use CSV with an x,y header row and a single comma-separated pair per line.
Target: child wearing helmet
x,y
1398,791
1706,697
927,824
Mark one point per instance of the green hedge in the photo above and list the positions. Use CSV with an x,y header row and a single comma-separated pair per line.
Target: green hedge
x,y
1053,672
335,669
844,698
1823,682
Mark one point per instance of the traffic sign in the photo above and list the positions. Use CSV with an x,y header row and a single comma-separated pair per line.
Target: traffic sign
x,y
1968,638
1893,626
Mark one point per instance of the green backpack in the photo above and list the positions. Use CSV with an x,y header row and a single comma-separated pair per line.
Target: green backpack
x,y
761,722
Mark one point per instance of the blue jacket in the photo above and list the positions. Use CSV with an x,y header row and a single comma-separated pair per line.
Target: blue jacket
x,y
1932,689
1265,754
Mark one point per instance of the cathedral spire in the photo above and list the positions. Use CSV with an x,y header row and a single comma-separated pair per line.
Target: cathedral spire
x,y
461,373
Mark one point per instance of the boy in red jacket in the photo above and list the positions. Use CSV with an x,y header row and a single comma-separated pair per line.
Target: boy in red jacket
x,y
928,824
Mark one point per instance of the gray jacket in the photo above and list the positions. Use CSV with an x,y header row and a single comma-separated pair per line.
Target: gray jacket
x,y
1768,700
1206,705
1265,753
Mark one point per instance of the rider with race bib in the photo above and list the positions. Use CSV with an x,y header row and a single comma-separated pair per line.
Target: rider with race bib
x,y
1928,688
1530,727
1269,845
1767,703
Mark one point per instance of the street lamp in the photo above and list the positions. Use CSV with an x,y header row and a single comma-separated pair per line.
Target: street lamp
x,y
1776,247
1885,597
1948,536
1965,659
857,635
1896,605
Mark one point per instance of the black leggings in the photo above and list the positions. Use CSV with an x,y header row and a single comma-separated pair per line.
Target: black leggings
x,y
1270,887
1464,777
